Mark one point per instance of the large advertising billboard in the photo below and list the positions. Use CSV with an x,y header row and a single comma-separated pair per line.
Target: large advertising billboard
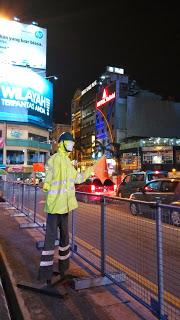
x,y
22,44
25,97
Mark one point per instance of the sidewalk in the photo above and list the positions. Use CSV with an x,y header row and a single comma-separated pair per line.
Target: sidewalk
x,y
18,250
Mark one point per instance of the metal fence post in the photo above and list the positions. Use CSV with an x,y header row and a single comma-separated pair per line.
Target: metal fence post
x,y
13,198
22,200
35,203
73,247
159,261
103,234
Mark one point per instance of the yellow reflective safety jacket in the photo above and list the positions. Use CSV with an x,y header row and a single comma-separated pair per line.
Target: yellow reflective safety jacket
x,y
60,180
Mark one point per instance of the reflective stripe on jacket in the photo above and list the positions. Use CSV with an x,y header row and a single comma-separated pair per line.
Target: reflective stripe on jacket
x,y
60,180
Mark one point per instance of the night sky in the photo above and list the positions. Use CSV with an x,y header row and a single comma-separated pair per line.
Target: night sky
x,y
85,36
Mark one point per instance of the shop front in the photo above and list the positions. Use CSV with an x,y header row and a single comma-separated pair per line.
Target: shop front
x,y
158,158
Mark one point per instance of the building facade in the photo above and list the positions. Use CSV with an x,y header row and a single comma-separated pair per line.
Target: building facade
x,y
21,146
26,99
136,129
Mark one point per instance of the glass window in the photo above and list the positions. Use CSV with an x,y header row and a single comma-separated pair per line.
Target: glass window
x,y
165,156
168,186
137,177
15,157
153,186
127,179
34,156
35,137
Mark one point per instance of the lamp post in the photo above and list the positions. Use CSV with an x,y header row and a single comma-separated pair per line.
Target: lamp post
x,y
51,77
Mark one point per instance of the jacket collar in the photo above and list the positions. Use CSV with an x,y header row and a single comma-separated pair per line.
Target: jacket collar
x,y
61,150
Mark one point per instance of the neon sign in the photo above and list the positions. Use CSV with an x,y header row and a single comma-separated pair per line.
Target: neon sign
x,y
89,87
106,98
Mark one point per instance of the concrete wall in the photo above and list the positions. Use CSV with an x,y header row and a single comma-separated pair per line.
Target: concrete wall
x,y
147,115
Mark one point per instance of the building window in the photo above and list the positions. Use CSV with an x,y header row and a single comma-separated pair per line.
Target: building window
x,y
15,157
34,156
35,137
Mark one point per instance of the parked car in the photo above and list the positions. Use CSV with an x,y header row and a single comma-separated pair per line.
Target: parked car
x,y
167,190
96,188
133,181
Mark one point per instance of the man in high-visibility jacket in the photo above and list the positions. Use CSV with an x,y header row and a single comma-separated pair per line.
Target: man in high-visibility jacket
x,y
60,180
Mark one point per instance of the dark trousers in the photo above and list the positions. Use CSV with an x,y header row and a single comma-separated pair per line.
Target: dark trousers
x,y
53,222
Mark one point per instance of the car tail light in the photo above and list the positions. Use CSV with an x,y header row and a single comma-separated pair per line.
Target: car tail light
x,y
93,188
147,188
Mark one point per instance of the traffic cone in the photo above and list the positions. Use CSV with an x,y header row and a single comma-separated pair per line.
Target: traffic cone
x,y
100,169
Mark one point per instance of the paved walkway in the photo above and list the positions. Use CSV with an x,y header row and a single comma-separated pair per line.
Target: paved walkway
x,y
19,253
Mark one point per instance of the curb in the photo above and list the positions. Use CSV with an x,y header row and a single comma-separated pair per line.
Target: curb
x,y
14,299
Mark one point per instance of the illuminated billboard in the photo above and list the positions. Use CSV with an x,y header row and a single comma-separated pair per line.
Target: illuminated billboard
x,y
25,97
22,44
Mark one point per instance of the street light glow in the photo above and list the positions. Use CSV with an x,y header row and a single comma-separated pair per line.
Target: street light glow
x,y
50,77
16,19
34,23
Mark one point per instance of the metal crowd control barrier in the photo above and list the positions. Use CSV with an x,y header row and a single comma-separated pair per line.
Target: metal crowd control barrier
x,y
23,199
139,253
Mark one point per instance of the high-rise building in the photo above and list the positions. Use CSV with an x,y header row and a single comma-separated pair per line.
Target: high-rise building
x,y
135,129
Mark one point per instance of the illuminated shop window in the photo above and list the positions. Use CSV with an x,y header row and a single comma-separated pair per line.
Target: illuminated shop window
x,y
156,157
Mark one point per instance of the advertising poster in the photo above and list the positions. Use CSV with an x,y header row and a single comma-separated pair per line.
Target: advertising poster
x,y
22,44
25,97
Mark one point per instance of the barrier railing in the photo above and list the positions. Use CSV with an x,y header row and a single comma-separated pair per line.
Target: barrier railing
x,y
139,253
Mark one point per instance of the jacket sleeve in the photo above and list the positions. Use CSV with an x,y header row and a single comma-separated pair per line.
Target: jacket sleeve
x,y
48,175
82,176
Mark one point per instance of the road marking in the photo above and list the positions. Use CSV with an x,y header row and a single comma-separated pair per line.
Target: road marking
x,y
134,275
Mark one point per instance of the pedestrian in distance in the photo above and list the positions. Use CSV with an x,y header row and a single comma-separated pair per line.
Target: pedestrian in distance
x,y
59,185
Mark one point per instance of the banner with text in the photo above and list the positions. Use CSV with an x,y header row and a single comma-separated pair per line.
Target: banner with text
x,y
22,44
26,97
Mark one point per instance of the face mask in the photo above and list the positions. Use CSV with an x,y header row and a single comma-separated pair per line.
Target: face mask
x,y
69,145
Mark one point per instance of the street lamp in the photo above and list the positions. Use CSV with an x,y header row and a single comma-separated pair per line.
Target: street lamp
x,y
35,23
50,77
16,19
